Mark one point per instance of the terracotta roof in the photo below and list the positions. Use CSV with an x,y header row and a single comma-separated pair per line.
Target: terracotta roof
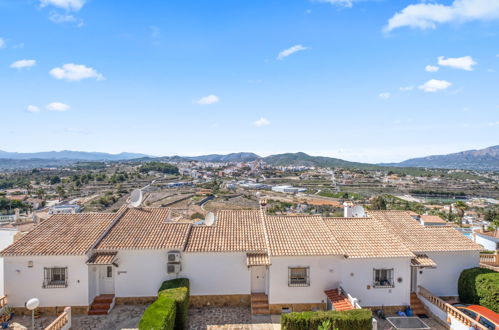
x,y
420,238
257,259
422,260
62,234
102,258
492,233
145,228
233,231
299,236
432,219
366,238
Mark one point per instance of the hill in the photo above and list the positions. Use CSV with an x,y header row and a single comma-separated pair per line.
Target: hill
x,y
302,159
69,155
483,159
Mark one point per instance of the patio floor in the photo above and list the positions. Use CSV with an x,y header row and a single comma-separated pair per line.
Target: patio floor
x,y
430,322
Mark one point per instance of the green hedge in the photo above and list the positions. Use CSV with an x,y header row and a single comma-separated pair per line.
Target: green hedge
x,y
356,319
160,315
178,291
466,284
487,289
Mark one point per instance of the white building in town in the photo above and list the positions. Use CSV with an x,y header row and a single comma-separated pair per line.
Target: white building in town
x,y
291,261
488,239
65,209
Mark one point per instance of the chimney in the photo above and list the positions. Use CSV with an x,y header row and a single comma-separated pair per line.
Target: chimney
x,y
347,209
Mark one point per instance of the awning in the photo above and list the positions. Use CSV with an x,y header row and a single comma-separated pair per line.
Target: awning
x,y
102,258
422,260
257,259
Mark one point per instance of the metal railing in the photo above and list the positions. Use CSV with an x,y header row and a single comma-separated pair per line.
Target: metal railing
x,y
451,311
62,322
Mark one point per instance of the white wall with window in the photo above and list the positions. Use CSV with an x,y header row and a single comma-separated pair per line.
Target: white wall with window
x,y
376,282
442,280
55,280
302,280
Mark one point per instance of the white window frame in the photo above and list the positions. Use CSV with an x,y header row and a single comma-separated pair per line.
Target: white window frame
x,y
51,273
389,277
295,281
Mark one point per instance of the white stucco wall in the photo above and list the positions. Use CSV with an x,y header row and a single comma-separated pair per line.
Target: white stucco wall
x,y
442,281
362,270
324,275
6,239
23,282
489,243
217,273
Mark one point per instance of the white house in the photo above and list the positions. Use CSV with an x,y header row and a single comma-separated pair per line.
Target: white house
x,y
89,260
488,239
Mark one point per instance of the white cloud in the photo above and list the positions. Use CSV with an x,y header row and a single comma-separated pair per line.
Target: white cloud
x,y
342,3
384,95
426,15
261,122
58,18
57,106
431,68
406,88
75,72
210,99
23,64
32,108
463,63
291,50
496,123
2,43
70,5
435,85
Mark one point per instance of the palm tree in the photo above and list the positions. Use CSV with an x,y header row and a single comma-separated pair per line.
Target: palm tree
x,y
460,207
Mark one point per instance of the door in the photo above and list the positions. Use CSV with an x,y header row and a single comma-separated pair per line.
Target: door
x,y
106,279
258,276
414,279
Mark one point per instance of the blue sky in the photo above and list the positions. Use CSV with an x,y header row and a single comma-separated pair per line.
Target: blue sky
x,y
338,78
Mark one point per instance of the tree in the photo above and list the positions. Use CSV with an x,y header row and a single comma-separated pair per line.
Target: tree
x,y
460,208
61,192
378,203
40,193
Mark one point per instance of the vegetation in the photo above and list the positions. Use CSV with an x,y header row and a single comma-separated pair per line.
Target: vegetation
x,y
8,206
474,284
159,167
341,195
178,291
160,315
356,319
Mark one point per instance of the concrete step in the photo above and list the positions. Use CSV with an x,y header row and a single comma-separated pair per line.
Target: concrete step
x,y
97,312
100,306
260,311
259,304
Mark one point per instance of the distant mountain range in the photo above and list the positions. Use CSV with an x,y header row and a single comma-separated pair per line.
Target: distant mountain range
x,y
484,159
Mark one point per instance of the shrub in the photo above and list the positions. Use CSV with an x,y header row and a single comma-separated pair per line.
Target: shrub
x,y
487,289
178,291
160,315
356,319
466,285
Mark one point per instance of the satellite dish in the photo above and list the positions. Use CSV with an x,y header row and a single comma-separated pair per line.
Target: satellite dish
x,y
358,212
32,304
210,219
136,198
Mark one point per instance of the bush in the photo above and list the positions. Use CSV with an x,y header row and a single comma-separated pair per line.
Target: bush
x,y
178,291
487,289
356,319
466,284
160,315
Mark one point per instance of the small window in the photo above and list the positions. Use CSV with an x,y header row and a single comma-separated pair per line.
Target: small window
x,y
469,313
383,278
109,271
486,323
298,276
56,277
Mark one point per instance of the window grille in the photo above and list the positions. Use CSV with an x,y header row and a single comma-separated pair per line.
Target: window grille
x,y
383,278
56,277
298,276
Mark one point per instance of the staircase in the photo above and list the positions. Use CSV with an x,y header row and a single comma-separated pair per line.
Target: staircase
x,y
102,304
416,305
339,301
259,304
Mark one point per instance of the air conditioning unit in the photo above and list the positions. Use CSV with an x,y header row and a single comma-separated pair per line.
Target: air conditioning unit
x,y
173,257
173,268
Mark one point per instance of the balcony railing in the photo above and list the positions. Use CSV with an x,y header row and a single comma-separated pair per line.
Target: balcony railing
x,y
3,301
62,322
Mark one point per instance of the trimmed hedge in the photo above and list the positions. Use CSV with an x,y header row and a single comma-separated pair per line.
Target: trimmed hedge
x,y
355,319
178,291
466,284
487,289
160,315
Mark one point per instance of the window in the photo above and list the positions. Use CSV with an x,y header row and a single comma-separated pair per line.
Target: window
x,y
109,271
298,276
483,321
469,313
383,278
56,277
